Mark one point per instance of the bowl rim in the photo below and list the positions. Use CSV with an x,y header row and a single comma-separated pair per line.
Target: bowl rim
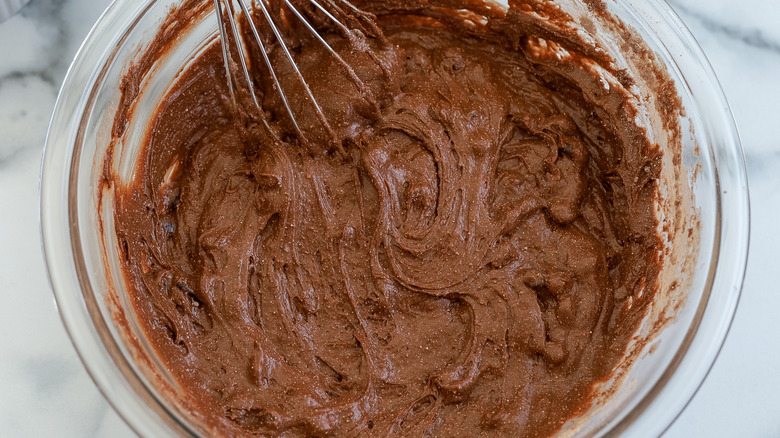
x,y
104,362
687,373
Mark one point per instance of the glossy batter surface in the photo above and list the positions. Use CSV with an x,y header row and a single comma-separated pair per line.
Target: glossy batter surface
x,y
465,254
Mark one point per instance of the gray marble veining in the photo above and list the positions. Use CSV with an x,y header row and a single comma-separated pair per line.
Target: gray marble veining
x,y
744,32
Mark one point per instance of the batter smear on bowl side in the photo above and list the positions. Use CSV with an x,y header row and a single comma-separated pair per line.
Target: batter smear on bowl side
x,y
466,254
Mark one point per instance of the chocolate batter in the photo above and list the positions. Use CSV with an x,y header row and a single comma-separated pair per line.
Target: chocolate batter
x,y
466,251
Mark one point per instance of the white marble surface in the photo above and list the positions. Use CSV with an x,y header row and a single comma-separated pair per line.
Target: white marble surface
x,y
44,390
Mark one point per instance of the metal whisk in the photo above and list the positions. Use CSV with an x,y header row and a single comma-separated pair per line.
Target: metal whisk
x,y
337,11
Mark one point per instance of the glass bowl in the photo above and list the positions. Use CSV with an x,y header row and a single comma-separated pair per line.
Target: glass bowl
x,y
704,212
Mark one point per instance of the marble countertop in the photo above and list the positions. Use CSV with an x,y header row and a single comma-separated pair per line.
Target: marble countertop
x,y
45,391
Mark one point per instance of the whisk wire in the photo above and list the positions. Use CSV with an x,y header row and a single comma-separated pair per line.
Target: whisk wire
x,y
225,48
271,69
350,71
278,35
327,13
352,36
241,56
227,17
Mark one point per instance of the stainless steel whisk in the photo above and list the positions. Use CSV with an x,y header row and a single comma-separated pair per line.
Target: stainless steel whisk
x,y
227,18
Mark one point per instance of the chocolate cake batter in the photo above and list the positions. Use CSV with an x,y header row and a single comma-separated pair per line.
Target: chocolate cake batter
x,y
465,251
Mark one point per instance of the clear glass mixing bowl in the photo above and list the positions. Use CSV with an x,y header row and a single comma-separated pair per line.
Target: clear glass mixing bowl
x,y
699,287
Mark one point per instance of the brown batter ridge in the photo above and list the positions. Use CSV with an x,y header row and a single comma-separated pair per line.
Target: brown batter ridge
x,y
457,257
